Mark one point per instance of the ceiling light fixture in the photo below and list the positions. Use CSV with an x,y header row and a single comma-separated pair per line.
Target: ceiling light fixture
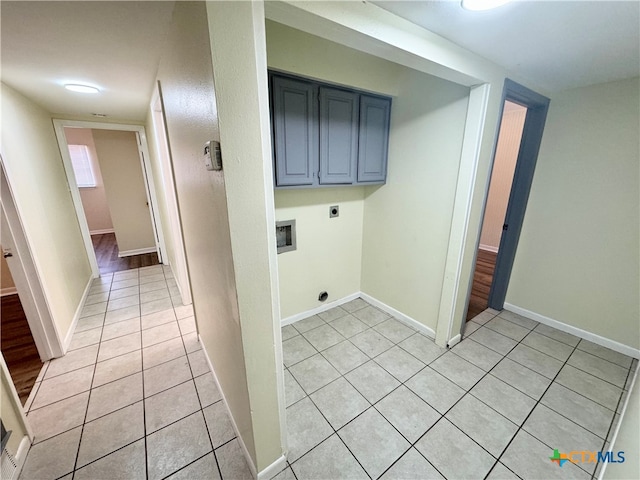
x,y
76,87
476,5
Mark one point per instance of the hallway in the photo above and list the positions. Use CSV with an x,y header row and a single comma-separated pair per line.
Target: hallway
x,y
133,397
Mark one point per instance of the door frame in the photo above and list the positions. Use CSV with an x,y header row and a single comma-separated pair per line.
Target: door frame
x,y
27,278
167,174
537,107
143,152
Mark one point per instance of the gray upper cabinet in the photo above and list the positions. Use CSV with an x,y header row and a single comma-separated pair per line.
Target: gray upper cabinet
x,y
338,136
325,135
295,127
373,138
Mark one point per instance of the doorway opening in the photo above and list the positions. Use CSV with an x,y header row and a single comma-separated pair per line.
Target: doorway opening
x,y
504,166
524,113
28,336
109,175
16,340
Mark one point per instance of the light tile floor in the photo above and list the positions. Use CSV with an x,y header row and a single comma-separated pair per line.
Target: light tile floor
x,y
134,397
369,397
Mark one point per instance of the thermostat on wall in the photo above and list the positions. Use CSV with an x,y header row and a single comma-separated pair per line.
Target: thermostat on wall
x,y
212,155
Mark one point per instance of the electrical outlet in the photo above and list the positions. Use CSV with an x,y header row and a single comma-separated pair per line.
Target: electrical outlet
x,y
334,211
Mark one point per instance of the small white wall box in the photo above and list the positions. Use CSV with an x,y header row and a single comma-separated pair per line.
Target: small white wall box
x,y
286,235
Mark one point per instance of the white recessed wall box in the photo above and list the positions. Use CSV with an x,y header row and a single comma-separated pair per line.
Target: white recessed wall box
x,y
286,235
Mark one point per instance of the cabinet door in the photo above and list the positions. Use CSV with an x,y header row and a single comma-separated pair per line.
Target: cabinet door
x,y
374,138
338,136
295,131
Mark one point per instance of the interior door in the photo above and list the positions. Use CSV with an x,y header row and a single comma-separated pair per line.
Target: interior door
x,y
537,107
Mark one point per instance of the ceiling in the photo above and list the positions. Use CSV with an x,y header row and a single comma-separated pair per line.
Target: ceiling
x,y
554,44
115,46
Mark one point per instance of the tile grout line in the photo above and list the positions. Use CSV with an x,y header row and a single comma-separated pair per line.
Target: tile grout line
x,y
412,444
554,358
93,375
308,395
144,398
552,381
403,383
468,392
206,425
547,378
520,427
613,421
94,364
371,405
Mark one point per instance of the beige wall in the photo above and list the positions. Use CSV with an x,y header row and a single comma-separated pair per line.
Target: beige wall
x,y
36,175
407,222
6,280
186,77
325,246
578,255
294,51
94,199
123,179
159,182
390,241
504,166
161,194
238,45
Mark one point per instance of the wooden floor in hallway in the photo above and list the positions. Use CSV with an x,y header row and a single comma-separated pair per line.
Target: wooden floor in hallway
x,y
18,347
482,278
106,248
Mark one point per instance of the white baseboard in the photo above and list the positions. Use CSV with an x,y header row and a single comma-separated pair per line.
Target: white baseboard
x,y
273,469
101,231
488,248
455,340
411,322
76,317
322,308
138,251
252,467
367,298
578,332
8,291
612,443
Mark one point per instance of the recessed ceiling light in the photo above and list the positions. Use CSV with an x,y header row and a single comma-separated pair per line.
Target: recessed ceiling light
x,y
76,87
476,5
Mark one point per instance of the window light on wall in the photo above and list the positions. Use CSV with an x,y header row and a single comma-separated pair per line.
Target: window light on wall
x,y
81,163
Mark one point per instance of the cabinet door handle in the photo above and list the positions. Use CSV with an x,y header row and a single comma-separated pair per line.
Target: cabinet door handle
x,y
8,254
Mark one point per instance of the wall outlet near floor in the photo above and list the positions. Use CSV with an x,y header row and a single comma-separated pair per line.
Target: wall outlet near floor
x,y
334,211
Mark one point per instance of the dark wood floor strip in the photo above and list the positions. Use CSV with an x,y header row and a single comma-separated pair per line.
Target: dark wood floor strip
x,y
106,249
482,279
18,347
